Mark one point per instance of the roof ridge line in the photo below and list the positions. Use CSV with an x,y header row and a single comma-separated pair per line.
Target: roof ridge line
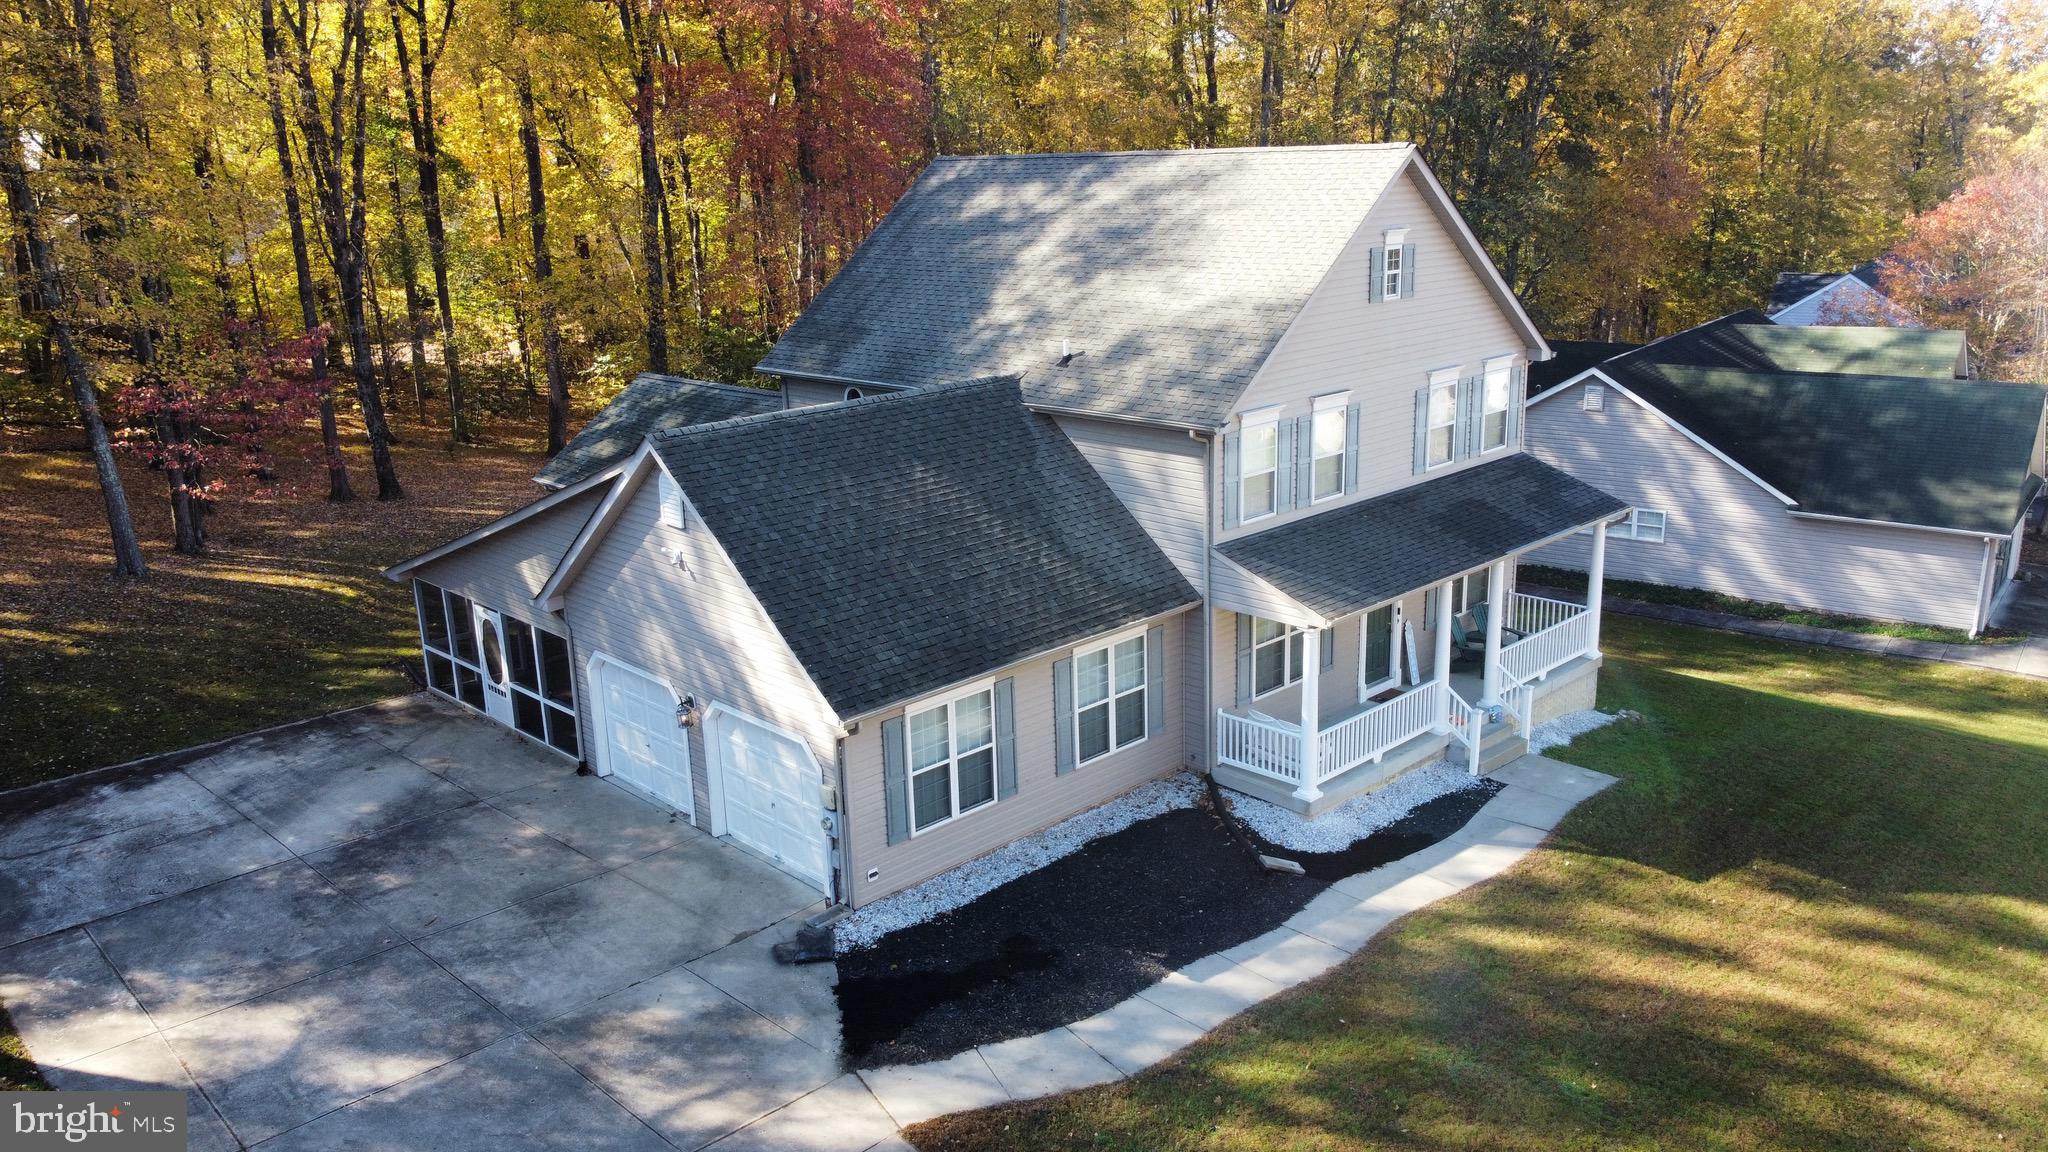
x,y
740,389
836,408
1360,146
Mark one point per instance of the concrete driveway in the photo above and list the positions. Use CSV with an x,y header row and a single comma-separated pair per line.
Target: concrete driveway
x,y
404,928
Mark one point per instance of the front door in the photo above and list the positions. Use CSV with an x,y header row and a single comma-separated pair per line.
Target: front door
x,y
490,644
1377,649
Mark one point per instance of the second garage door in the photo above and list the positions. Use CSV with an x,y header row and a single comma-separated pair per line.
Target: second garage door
x,y
643,746
770,795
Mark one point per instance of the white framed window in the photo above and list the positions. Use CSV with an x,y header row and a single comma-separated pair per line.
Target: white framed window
x,y
1326,446
1495,395
1110,683
952,758
1443,416
1645,524
1258,464
671,495
534,663
1593,398
1276,656
1394,274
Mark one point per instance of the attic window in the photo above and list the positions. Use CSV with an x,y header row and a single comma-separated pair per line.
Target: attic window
x,y
671,499
1594,399
1395,269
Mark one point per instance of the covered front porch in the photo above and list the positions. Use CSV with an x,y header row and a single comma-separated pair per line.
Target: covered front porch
x,y
1349,670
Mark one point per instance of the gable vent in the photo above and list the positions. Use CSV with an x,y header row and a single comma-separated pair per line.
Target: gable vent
x,y
1594,399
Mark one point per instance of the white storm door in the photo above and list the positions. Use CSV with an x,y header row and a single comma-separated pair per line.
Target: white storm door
x,y
770,792
643,744
490,646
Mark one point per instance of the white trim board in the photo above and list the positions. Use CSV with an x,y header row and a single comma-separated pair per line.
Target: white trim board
x,y
399,571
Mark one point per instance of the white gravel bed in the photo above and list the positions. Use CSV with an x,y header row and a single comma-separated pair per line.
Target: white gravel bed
x,y
1354,819
950,890
1567,728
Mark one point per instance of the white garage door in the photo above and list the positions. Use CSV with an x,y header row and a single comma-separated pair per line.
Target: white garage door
x,y
769,786
643,746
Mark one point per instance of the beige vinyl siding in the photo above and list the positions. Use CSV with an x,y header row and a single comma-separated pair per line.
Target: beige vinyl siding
x,y
1157,473
1043,798
505,570
1383,352
1337,689
798,392
696,626
1194,670
1241,591
1724,533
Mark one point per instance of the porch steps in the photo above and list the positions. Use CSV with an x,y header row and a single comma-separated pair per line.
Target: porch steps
x,y
1499,745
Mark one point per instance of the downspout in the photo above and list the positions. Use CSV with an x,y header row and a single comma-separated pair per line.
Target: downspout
x,y
1208,717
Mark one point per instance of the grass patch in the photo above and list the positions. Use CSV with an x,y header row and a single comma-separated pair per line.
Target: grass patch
x,y
1813,915
1701,598
18,1073
287,616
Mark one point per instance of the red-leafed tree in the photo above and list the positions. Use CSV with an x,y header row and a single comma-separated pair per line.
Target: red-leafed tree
x,y
1979,261
209,413
824,106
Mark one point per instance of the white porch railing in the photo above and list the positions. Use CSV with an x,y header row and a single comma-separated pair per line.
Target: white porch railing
x,y
1376,731
1468,726
1256,744
1555,633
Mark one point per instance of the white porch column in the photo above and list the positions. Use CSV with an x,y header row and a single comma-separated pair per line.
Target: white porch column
x,y
1311,714
1440,665
1596,578
1496,607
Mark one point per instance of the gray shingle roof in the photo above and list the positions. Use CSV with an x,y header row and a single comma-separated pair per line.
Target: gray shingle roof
x,y
1170,275
909,541
1354,557
1748,340
1902,449
651,403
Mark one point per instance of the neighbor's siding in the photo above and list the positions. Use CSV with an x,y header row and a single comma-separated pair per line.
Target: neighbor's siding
x,y
798,392
1043,798
1850,301
1382,353
506,570
697,626
1158,474
1726,534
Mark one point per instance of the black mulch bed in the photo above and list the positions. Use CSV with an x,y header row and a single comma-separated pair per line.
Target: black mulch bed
x,y
1090,930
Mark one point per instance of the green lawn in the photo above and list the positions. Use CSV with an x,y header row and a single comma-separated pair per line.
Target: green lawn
x,y
1813,914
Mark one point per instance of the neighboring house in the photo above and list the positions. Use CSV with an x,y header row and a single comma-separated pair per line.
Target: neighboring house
x,y
1852,297
1848,470
1094,468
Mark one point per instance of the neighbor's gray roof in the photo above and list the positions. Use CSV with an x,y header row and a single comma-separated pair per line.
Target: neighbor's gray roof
x,y
913,540
651,403
1169,275
1792,287
1568,358
1352,558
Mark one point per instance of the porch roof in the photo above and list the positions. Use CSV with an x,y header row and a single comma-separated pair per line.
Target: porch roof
x,y
1354,557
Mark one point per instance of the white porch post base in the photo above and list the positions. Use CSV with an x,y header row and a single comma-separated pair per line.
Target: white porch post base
x,y
1596,579
1311,715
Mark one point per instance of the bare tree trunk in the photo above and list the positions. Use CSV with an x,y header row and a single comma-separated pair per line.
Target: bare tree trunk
x,y
543,263
419,112
634,23
1272,69
339,489
49,291
409,268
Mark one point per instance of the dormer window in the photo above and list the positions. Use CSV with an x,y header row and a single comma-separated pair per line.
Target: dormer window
x,y
1259,465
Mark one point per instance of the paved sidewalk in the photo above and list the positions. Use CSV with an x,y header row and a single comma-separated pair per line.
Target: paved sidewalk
x,y
1180,1009
2027,657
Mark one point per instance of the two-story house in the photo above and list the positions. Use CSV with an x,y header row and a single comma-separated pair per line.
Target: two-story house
x,y
1086,469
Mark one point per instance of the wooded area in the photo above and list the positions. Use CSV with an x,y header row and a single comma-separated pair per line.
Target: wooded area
x,y
233,222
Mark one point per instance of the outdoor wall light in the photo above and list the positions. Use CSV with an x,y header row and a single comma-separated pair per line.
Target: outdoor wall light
x,y
686,713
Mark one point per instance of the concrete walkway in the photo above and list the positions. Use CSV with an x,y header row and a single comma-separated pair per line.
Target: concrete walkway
x,y
2026,609
1180,1009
